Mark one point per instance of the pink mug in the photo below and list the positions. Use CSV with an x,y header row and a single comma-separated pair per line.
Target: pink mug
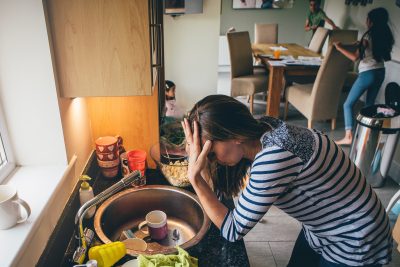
x,y
156,222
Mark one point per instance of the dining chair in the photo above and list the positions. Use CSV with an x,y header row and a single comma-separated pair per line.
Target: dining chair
x,y
265,33
244,80
318,39
346,37
320,100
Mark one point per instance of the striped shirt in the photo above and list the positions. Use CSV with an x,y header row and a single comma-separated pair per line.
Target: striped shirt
x,y
309,177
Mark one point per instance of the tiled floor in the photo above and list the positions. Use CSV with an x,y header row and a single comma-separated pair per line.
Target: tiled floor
x,y
270,242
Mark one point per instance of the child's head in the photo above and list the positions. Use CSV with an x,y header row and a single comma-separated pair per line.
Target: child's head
x,y
169,89
315,5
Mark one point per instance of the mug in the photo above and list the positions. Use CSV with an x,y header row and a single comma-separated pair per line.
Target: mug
x,y
9,207
156,222
137,160
107,151
108,144
124,165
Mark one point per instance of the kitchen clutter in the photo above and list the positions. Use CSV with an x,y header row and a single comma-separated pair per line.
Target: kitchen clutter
x,y
112,157
108,254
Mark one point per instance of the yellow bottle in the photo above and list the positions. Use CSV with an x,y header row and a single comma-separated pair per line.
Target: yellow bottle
x,y
108,254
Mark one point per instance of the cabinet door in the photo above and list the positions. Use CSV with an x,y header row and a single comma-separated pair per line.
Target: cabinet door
x,y
100,47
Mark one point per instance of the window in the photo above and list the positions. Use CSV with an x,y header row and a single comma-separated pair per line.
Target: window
x,y
6,158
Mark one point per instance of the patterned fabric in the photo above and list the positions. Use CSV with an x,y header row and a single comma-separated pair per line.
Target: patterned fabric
x,y
299,141
343,219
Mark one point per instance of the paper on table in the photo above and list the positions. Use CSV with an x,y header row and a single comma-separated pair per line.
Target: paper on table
x,y
302,62
276,63
308,58
278,48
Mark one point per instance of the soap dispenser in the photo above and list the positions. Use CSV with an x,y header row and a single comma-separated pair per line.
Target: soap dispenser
x,y
86,194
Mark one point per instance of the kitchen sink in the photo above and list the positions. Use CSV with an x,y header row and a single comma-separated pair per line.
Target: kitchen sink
x,y
187,220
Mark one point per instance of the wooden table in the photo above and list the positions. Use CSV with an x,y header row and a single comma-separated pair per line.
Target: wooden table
x,y
277,73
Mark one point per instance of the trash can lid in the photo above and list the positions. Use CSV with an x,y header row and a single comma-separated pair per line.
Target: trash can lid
x,y
382,117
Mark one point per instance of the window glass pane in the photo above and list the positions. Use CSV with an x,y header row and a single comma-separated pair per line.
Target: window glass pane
x,y
3,158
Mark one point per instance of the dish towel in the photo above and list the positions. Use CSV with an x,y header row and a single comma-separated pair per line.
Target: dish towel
x,y
183,259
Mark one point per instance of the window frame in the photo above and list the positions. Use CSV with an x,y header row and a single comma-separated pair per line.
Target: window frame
x,y
10,165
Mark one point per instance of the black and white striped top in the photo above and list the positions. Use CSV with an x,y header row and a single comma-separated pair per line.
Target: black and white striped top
x,y
309,177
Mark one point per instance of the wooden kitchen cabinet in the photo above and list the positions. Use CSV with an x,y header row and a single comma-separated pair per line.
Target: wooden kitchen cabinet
x,y
103,47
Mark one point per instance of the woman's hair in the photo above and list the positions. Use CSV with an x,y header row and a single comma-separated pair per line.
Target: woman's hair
x,y
380,35
318,2
223,118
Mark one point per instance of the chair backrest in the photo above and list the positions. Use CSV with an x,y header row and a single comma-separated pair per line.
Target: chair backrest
x,y
328,84
240,53
343,36
265,33
318,39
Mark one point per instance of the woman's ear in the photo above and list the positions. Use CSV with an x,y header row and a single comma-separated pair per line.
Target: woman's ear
x,y
238,142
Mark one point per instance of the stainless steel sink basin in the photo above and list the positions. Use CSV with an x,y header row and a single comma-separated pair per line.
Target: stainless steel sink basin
x,y
187,220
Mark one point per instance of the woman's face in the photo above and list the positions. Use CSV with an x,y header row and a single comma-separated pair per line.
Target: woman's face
x,y
313,6
227,152
369,23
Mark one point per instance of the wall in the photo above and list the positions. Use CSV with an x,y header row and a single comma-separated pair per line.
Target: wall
x,y
77,131
191,53
27,87
134,118
291,21
46,132
353,17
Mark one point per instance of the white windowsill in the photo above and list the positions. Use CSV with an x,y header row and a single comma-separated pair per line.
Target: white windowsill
x,y
36,185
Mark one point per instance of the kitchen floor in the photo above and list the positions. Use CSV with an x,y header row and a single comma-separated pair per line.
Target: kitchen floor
x,y
270,242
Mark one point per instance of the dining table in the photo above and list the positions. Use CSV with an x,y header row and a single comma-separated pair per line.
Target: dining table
x,y
278,71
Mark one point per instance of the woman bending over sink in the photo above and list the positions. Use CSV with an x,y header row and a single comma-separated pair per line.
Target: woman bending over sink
x,y
300,171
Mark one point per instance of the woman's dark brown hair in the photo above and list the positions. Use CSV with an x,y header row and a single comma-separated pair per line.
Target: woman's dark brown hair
x,y
223,118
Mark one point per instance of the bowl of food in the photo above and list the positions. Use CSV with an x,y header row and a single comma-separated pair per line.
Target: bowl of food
x,y
174,166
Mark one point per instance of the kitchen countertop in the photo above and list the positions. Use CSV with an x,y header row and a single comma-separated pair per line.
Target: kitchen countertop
x,y
212,250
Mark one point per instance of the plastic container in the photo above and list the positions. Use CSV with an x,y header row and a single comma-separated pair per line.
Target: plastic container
x,y
86,194
108,254
137,161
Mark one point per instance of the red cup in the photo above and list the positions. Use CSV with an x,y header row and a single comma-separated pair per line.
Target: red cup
x,y
137,160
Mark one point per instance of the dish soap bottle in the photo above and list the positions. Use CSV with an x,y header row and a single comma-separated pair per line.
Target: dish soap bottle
x,y
86,194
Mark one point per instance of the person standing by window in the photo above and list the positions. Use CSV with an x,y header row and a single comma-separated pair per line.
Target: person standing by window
x,y
316,17
373,50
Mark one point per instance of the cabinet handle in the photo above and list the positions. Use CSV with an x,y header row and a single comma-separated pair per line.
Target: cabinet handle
x,y
158,63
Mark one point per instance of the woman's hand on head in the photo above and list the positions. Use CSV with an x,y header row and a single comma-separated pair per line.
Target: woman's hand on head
x,y
197,154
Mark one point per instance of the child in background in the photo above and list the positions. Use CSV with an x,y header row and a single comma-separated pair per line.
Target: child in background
x,y
172,109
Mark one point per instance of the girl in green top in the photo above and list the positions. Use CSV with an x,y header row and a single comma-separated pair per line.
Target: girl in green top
x,y
316,17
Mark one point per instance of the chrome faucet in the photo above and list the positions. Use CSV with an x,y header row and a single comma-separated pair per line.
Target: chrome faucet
x,y
115,188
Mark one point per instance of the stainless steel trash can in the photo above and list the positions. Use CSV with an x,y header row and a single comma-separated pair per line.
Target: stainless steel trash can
x,y
374,143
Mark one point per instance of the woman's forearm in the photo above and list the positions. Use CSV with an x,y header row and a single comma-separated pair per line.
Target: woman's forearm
x,y
353,56
214,208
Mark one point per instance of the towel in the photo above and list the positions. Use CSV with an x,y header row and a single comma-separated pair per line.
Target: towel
x,y
183,259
